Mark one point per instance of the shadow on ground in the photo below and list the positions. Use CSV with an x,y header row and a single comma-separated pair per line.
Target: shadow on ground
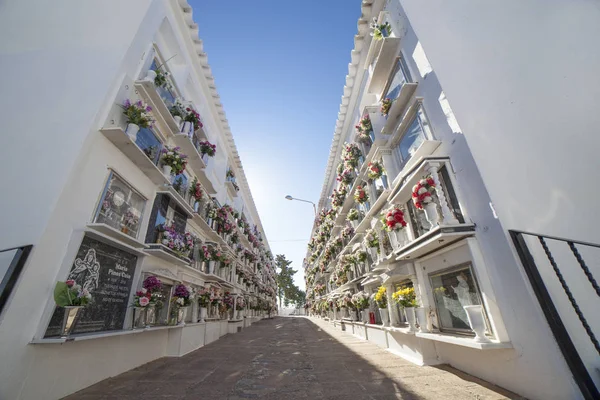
x,y
290,358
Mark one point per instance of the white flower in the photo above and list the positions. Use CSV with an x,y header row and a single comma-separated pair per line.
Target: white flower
x,y
76,287
169,153
415,188
423,182
176,155
180,301
422,190
144,290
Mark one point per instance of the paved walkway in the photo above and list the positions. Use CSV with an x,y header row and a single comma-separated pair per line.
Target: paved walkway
x,y
290,358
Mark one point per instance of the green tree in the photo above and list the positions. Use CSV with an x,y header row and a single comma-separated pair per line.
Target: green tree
x,y
285,282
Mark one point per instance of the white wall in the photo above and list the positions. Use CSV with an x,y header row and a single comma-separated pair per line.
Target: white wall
x,y
55,78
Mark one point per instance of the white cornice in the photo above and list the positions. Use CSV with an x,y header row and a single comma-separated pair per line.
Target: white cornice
x,y
206,73
362,40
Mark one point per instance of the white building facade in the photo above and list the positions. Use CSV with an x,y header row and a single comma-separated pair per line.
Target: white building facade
x,y
477,163
94,203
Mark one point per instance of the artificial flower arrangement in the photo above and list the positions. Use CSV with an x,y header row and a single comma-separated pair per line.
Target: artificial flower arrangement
x,y
203,296
405,297
240,303
386,104
173,158
142,298
182,296
215,254
380,31
180,244
360,256
360,195
393,219
70,294
320,289
193,117
339,195
161,77
353,215
207,148
381,297
375,170
346,176
365,125
178,109
347,232
371,239
360,300
138,113
195,190
130,220
350,155
228,300
229,174
422,192
347,300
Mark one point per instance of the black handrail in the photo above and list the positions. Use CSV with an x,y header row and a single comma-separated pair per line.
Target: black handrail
x,y
563,339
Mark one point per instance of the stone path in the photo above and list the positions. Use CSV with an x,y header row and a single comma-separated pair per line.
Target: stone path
x,y
290,358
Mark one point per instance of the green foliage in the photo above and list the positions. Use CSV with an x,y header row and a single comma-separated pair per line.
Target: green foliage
x,y
287,292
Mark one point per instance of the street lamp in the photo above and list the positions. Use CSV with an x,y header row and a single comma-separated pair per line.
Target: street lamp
x,y
288,197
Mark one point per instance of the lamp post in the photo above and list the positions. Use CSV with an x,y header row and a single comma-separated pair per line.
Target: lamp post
x,y
288,197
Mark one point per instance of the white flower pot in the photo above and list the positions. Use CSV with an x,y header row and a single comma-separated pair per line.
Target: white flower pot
x,y
353,314
373,253
431,214
177,119
355,224
393,239
344,311
365,316
385,316
202,314
150,76
421,314
132,131
187,127
477,322
409,314
167,170
211,267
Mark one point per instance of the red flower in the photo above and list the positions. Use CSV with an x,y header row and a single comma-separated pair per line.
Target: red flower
x,y
418,205
430,182
415,195
70,282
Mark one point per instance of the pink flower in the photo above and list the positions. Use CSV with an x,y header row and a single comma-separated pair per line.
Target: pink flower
x,y
144,301
70,282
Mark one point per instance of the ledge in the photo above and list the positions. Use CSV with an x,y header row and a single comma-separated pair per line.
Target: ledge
x,y
172,193
463,341
112,232
163,252
112,240
160,111
235,320
389,49
398,107
398,329
124,143
231,189
92,336
437,238
187,147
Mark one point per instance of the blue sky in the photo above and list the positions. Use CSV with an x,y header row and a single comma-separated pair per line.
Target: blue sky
x,y
280,67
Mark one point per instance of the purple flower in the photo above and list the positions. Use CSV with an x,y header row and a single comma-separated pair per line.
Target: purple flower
x,y
148,108
139,103
127,103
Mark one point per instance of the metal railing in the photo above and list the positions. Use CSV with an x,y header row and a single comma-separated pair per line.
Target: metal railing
x,y
546,299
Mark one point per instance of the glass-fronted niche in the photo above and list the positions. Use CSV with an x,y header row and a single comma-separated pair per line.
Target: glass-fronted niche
x,y
108,273
417,132
419,223
166,91
147,141
399,76
165,213
121,207
453,289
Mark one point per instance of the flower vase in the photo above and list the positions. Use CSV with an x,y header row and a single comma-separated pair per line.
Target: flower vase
x,y
409,314
385,316
70,317
186,128
181,314
132,131
166,169
477,322
373,253
431,214
139,318
353,314
393,239
150,315
211,267
344,311
421,314
177,119
202,314
365,316
150,76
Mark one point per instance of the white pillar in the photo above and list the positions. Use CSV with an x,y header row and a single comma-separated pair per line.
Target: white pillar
x,y
389,290
420,283
448,217
389,164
